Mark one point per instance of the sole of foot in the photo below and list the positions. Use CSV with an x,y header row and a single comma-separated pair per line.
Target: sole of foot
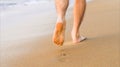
x,y
58,35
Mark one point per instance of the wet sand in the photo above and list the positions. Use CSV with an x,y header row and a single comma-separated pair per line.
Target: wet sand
x,y
102,48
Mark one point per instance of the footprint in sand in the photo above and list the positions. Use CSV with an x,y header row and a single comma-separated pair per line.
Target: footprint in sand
x,y
62,56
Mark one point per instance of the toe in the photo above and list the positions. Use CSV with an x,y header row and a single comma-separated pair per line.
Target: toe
x,y
82,38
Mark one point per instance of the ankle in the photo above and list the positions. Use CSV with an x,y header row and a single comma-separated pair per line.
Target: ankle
x,y
74,35
60,19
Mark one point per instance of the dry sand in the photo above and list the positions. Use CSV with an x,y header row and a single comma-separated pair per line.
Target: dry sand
x,y
101,49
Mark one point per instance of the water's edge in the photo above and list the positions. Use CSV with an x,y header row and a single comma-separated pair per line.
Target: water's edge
x,y
5,4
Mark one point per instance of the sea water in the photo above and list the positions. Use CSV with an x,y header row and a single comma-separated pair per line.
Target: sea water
x,y
5,4
26,18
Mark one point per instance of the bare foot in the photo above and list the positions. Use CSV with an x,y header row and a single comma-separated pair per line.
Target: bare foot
x,y
58,35
77,38
80,39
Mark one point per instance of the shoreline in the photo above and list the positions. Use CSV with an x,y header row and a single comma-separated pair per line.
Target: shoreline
x,y
15,17
100,26
7,5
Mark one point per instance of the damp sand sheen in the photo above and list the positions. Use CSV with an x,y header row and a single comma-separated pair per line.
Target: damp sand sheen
x,y
102,48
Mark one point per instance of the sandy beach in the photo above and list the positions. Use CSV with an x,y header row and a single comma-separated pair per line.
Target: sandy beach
x,y
26,39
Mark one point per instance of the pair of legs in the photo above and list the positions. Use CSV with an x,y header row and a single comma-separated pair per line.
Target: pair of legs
x,y
61,7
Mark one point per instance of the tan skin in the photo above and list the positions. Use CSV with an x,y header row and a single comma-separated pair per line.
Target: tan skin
x,y
61,7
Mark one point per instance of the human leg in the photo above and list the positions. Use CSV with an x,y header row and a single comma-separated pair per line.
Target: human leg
x,y
79,10
58,35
